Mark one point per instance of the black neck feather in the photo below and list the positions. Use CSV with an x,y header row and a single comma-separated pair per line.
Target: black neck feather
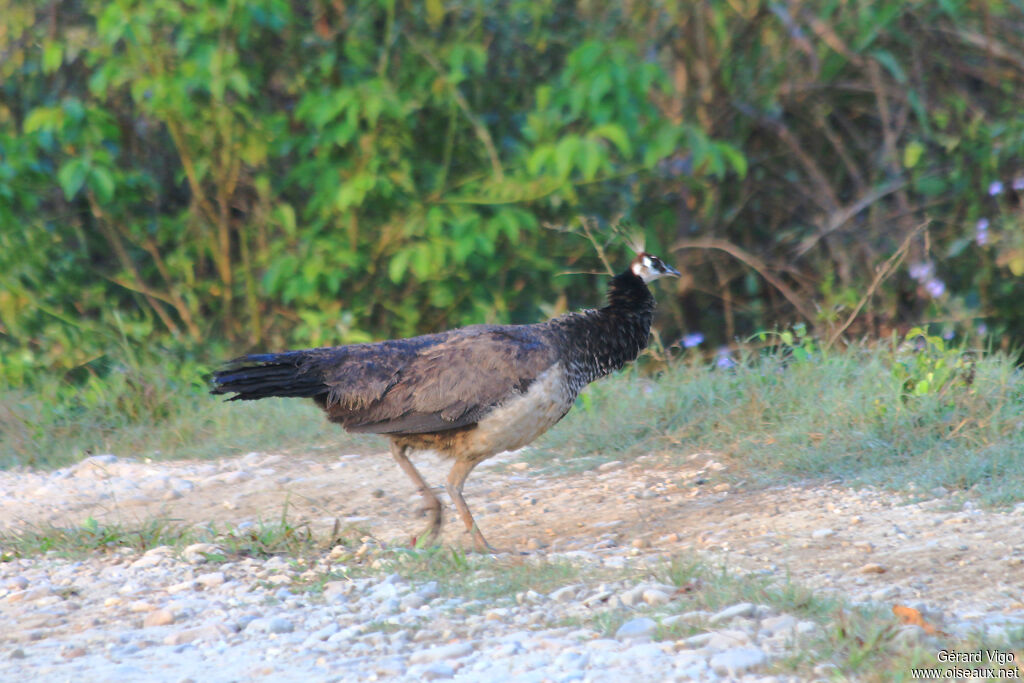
x,y
601,341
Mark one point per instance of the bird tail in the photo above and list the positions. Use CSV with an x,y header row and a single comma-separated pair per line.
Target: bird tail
x,y
261,375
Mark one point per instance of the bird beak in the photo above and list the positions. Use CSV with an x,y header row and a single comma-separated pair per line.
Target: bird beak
x,y
669,270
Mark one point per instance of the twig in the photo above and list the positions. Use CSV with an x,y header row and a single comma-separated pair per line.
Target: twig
x,y
885,271
754,263
839,217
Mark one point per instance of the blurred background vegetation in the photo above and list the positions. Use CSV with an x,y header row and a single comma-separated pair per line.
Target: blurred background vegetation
x,y
198,178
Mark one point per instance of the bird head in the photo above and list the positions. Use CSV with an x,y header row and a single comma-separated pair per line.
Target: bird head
x,y
649,267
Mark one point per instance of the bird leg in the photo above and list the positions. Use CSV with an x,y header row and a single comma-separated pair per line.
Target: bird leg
x,y
431,503
456,479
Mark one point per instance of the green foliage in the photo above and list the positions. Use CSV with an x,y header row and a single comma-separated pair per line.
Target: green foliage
x,y
273,173
255,172
796,342
925,365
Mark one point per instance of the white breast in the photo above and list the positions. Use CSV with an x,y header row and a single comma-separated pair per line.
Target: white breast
x,y
523,418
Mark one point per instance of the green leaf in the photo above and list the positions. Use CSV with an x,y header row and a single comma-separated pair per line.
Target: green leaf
x,y
565,155
286,218
43,118
71,177
53,54
735,158
615,134
398,265
435,13
912,154
102,183
885,58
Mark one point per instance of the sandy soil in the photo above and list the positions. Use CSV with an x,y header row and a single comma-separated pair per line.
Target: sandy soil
x,y
949,555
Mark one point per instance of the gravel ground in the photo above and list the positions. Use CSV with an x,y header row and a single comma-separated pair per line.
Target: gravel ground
x,y
172,615
157,617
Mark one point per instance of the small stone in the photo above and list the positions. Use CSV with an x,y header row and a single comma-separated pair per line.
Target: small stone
x,y
641,543
147,562
737,660
412,601
72,652
727,639
17,583
441,653
743,609
181,587
564,594
632,597
784,623
160,617
656,597
279,579
535,544
883,594
198,553
437,670
609,466
210,580
279,625
871,568
597,598
819,534
806,627
641,627
17,653
694,618
428,591
378,493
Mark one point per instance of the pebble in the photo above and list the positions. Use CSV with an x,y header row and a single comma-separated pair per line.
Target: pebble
x,y
564,594
641,627
743,609
656,597
160,617
442,653
737,660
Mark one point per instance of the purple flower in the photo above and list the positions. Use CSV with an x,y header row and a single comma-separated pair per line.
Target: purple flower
x,y
995,187
981,232
693,339
1018,182
935,287
723,359
921,271
982,329
948,335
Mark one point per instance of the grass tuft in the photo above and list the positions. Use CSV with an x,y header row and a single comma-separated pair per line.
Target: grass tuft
x,y
845,415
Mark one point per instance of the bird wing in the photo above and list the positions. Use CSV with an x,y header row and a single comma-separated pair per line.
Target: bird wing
x,y
454,382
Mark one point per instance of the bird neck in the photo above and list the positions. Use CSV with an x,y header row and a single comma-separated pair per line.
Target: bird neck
x,y
603,340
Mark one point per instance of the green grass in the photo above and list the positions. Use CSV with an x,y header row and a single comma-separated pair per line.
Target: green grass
x,y
910,418
262,539
843,416
159,408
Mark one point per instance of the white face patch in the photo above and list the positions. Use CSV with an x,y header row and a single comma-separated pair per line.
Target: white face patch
x,y
649,269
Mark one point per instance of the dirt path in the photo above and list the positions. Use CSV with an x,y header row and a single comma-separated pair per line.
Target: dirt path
x,y
956,559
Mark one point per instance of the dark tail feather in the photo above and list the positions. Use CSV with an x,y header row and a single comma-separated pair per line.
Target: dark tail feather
x,y
262,375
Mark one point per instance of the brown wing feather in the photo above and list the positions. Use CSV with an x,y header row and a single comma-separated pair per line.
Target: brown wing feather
x,y
455,382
